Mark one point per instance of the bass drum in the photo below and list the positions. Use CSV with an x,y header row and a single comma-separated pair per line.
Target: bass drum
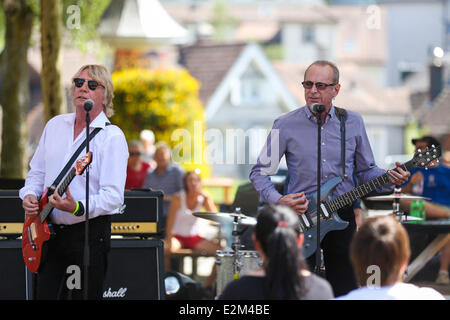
x,y
245,261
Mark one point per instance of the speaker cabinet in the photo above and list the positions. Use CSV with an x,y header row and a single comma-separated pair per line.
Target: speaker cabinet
x,y
135,270
15,279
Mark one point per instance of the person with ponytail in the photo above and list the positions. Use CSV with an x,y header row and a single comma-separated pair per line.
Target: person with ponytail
x,y
284,275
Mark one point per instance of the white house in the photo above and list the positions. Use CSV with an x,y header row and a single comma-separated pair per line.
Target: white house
x,y
242,94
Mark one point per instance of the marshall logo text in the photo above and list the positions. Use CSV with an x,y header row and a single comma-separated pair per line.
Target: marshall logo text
x,y
115,294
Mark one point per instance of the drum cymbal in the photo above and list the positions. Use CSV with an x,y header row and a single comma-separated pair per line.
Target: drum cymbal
x,y
409,218
223,217
391,197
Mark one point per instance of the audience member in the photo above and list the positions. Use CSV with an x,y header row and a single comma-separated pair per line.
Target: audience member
x,y
148,147
432,183
167,176
136,168
284,274
379,253
183,227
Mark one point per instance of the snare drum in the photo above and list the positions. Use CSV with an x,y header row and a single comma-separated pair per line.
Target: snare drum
x,y
231,266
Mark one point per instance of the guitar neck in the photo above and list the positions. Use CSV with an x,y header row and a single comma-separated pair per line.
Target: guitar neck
x,y
348,198
61,189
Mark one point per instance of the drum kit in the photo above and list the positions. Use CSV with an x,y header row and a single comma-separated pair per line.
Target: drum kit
x,y
395,198
231,264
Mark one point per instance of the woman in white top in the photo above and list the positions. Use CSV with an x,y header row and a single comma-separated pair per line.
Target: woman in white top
x,y
379,253
182,226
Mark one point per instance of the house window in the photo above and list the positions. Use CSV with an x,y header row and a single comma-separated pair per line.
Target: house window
x,y
251,87
308,34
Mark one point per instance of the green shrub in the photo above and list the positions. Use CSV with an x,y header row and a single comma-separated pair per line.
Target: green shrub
x,y
166,102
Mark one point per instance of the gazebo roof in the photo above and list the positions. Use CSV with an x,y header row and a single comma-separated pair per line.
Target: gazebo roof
x,y
137,23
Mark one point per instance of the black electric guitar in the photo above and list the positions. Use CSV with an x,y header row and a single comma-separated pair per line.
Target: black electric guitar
x,y
330,220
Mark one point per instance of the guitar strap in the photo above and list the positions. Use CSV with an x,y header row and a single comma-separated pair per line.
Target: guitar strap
x,y
342,116
68,165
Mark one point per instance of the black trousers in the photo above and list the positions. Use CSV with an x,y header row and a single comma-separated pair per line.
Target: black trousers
x,y
61,273
335,245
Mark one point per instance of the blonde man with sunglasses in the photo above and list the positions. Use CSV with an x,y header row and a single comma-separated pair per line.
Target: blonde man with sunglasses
x,y
62,136
294,135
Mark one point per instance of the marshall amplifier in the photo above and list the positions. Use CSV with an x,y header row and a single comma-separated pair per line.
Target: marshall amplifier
x,y
11,214
135,270
15,279
142,214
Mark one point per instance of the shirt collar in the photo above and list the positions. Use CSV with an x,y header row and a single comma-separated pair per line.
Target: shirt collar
x,y
310,115
100,121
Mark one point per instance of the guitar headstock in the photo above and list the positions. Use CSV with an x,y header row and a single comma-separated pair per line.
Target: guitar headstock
x,y
82,163
427,158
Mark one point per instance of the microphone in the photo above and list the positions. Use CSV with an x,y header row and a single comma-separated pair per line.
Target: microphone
x,y
88,105
318,108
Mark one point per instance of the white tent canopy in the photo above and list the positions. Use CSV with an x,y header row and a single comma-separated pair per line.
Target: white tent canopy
x,y
139,23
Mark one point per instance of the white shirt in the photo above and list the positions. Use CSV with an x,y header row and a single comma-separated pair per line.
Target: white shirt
x,y
398,291
107,171
186,224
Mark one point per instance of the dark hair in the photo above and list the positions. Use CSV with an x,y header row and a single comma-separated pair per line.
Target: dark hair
x,y
381,241
187,174
277,230
323,63
429,140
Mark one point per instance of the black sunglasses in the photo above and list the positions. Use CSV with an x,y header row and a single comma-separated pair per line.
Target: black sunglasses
x,y
319,85
92,84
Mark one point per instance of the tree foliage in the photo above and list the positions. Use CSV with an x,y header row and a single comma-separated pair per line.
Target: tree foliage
x,y
165,101
17,18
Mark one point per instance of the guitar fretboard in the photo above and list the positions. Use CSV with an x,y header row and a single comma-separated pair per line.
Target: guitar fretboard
x,y
348,198
61,189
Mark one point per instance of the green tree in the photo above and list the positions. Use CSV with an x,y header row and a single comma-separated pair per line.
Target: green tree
x,y
16,24
14,92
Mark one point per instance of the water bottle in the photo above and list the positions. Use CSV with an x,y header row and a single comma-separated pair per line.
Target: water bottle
x,y
417,209
422,209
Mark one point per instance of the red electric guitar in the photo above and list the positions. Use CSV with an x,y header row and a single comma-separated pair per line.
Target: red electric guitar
x,y
36,230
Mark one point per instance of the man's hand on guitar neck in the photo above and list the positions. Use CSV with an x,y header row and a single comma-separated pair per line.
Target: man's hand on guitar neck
x,y
398,176
296,201
64,204
31,205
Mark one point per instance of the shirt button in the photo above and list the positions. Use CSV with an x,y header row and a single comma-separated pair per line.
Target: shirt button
x,y
324,160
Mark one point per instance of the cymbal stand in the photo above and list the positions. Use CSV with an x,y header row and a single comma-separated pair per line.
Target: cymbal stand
x,y
396,204
236,246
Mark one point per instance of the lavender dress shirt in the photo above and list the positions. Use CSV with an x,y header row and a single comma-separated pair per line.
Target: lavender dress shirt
x,y
295,135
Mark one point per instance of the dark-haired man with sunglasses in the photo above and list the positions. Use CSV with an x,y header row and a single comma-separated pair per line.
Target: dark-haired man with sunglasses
x,y
62,136
294,135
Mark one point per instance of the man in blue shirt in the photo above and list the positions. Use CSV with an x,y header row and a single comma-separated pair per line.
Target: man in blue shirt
x,y
432,183
295,135
167,177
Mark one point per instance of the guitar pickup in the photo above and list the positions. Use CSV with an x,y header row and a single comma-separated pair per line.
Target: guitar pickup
x,y
325,212
305,221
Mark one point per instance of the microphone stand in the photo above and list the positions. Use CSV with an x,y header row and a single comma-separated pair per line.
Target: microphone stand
x,y
86,226
319,209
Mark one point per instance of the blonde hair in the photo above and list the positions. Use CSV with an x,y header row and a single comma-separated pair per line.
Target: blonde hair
x,y
102,75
